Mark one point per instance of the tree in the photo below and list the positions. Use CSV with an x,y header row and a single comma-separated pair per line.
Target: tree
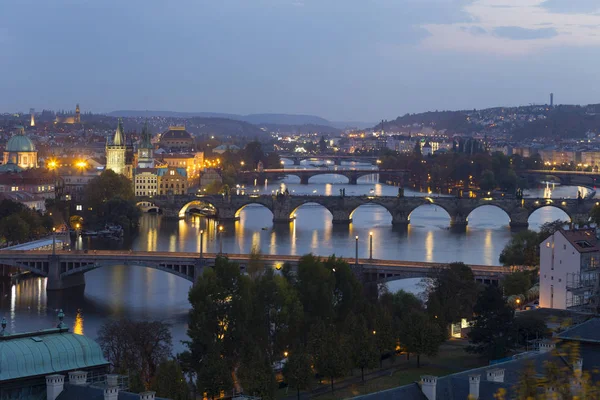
x,y
329,351
315,285
516,283
420,335
595,214
417,149
530,327
384,333
297,371
213,373
14,228
548,229
493,333
488,180
361,344
136,346
523,249
322,145
170,381
452,294
256,265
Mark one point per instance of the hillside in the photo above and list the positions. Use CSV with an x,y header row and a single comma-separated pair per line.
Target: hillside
x,y
565,121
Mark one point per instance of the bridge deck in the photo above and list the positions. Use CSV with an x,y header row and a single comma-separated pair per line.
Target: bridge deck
x,y
102,255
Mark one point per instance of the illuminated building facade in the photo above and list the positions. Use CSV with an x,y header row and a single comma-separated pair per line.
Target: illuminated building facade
x,y
115,151
20,153
172,181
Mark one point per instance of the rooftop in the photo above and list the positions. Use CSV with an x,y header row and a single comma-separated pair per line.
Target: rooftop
x,y
583,240
588,331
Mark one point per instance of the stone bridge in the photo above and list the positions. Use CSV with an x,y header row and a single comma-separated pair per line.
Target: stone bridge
x,y
565,177
66,269
228,208
306,174
337,159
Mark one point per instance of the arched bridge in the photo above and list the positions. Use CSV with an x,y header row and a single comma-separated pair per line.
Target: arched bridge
x,y
228,208
66,269
337,159
306,174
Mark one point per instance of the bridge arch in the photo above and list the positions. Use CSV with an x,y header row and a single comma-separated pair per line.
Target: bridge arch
x,y
311,202
198,204
443,214
337,174
147,206
479,207
551,215
238,212
373,204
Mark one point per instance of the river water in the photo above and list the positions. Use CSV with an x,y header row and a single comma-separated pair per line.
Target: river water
x,y
143,293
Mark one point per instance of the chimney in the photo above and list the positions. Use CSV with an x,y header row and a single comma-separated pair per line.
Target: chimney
x,y
578,367
551,393
474,386
428,386
111,393
147,395
112,380
78,378
54,386
495,375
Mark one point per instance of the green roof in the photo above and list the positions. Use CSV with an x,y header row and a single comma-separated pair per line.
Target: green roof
x,y
47,352
19,142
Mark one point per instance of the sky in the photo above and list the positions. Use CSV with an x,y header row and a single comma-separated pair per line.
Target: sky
x,y
344,60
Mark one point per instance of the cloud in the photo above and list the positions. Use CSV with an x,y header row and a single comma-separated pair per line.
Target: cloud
x,y
518,33
571,6
474,30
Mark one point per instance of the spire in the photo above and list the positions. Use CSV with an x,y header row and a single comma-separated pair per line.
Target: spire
x,y
146,137
119,139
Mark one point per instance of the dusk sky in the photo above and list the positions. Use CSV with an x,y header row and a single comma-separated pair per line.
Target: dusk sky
x,y
353,60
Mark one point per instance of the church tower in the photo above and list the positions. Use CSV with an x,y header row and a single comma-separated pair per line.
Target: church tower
x,y
145,149
115,152
32,112
77,115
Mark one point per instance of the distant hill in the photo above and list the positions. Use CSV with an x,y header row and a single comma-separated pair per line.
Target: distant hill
x,y
256,119
307,128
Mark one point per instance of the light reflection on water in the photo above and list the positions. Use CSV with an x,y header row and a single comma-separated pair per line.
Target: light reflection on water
x,y
143,293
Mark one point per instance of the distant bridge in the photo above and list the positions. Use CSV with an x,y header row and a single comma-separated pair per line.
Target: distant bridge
x,y
284,208
306,174
66,269
336,158
566,177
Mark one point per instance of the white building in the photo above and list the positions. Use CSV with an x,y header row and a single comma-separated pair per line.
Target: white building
x,y
146,182
569,262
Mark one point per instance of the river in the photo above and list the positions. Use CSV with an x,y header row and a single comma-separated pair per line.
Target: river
x,y
143,293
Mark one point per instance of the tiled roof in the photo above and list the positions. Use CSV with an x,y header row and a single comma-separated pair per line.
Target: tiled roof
x,y
583,240
588,331
90,392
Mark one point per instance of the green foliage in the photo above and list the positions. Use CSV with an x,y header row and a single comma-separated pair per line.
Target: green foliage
x,y
109,198
297,371
523,249
170,381
329,350
493,333
548,229
488,180
452,294
595,215
256,265
362,343
530,327
419,334
516,283
14,229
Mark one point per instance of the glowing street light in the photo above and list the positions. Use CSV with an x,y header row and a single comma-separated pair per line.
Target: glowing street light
x,y
356,255
220,239
201,243
370,245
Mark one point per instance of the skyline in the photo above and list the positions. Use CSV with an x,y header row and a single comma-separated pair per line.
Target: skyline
x,y
339,59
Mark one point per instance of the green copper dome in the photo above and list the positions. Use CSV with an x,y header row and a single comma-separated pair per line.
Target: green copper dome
x,y
19,142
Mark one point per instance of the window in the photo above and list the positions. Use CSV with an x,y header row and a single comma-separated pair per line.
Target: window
x,y
172,172
548,244
564,246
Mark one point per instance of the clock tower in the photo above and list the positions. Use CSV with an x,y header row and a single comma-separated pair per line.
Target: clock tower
x,y
145,149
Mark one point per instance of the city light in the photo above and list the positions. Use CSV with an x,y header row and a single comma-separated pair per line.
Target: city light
x,y
81,164
52,164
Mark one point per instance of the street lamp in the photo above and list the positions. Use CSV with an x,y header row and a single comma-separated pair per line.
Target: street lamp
x,y
201,243
53,241
285,354
220,239
356,255
282,165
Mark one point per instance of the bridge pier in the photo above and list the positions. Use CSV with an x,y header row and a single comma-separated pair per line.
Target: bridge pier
x,y
304,179
56,282
353,180
337,161
518,225
458,223
296,161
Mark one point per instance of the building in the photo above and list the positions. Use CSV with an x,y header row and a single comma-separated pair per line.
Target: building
x,y
37,183
69,119
20,152
29,360
226,147
146,182
32,121
569,261
484,383
145,151
176,139
172,181
193,163
116,151
211,175
72,183
27,199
